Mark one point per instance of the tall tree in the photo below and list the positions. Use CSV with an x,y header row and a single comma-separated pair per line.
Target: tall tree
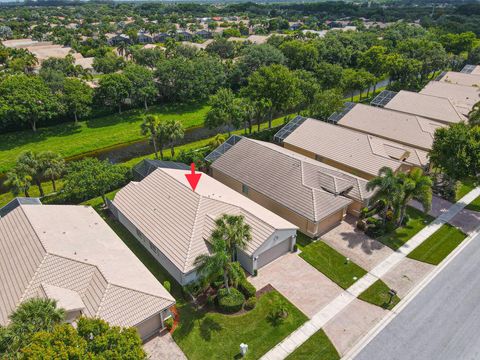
x,y
325,103
18,182
474,115
174,132
143,87
77,96
149,127
224,110
234,231
31,163
414,185
113,90
52,165
387,189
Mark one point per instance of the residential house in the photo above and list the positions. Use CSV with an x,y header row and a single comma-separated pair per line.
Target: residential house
x,y
352,151
461,96
161,37
143,38
204,34
407,129
312,195
118,39
459,78
175,223
184,35
69,254
432,107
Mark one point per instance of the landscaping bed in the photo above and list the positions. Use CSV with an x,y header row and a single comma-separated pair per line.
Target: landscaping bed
x,y
437,247
211,335
332,264
317,347
417,220
377,294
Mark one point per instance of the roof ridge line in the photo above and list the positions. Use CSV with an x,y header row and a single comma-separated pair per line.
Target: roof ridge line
x,y
140,291
194,227
100,303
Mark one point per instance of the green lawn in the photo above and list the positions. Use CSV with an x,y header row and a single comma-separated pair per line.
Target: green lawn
x,y
332,264
70,140
474,205
377,294
418,220
437,247
317,347
465,187
210,335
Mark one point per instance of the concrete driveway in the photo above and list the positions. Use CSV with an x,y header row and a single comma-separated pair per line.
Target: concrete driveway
x,y
303,285
163,347
362,250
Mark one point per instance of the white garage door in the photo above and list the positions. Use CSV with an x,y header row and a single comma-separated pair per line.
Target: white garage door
x,y
149,327
273,253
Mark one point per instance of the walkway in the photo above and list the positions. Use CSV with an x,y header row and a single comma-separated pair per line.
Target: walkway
x,y
163,347
299,336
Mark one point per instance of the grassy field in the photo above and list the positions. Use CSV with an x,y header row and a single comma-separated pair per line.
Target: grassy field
x,y
437,247
377,294
210,335
318,346
332,264
474,205
70,140
401,235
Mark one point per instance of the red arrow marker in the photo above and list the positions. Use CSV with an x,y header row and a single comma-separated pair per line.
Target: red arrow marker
x,y
193,178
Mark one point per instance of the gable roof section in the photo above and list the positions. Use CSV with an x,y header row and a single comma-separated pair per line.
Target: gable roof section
x,y
432,107
76,259
355,149
403,128
303,185
461,96
459,78
177,220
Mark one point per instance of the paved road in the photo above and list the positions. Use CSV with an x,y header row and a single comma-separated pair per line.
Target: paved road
x,y
442,322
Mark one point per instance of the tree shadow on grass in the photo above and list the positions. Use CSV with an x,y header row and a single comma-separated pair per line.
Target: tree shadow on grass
x,y
207,326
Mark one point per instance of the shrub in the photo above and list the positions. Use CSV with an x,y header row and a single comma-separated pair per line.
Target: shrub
x,y
210,300
361,225
406,219
278,312
247,289
169,323
364,213
166,285
295,248
371,220
251,303
255,272
389,215
230,302
375,231
217,284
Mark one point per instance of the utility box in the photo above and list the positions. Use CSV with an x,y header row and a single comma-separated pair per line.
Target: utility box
x,y
243,349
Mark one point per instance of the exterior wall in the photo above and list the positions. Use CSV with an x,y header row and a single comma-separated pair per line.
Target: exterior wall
x,y
158,255
150,326
245,260
330,162
355,207
330,222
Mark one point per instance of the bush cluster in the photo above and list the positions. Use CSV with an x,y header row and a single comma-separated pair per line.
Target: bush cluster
x,y
247,289
230,302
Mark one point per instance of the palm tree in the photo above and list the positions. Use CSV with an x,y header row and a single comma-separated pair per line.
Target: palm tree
x,y
387,188
218,140
30,317
30,163
474,115
414,185
150,127
18,182
53,166
174,132
218,262
121,48
234,231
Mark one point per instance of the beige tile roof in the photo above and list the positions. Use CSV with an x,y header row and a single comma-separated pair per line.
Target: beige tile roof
x,y
355,149
301,184
179,221
476,70
71,254
400,127
459,78
461,96
432,107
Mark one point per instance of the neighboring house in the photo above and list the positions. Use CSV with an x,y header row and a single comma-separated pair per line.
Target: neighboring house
x,y
161,37
143,38
460,95
184,35
295,26
204,34
69,254
118,39
175,223
433,107
311,195
459,78
471,69
406,129
355,152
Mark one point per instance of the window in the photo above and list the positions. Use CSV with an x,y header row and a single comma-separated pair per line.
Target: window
x,y
153,247
245,189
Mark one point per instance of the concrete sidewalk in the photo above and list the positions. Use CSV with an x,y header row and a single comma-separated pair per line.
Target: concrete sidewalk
x,y
302,334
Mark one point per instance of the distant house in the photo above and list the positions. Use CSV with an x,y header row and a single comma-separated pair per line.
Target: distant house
x,y
459,78
308,193
161,37
204,34
175,223
184,35
295,26
352,151
143,38
80,262
118,39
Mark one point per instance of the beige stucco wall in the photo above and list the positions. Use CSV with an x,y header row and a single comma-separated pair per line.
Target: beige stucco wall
x,y
355,207
306,226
